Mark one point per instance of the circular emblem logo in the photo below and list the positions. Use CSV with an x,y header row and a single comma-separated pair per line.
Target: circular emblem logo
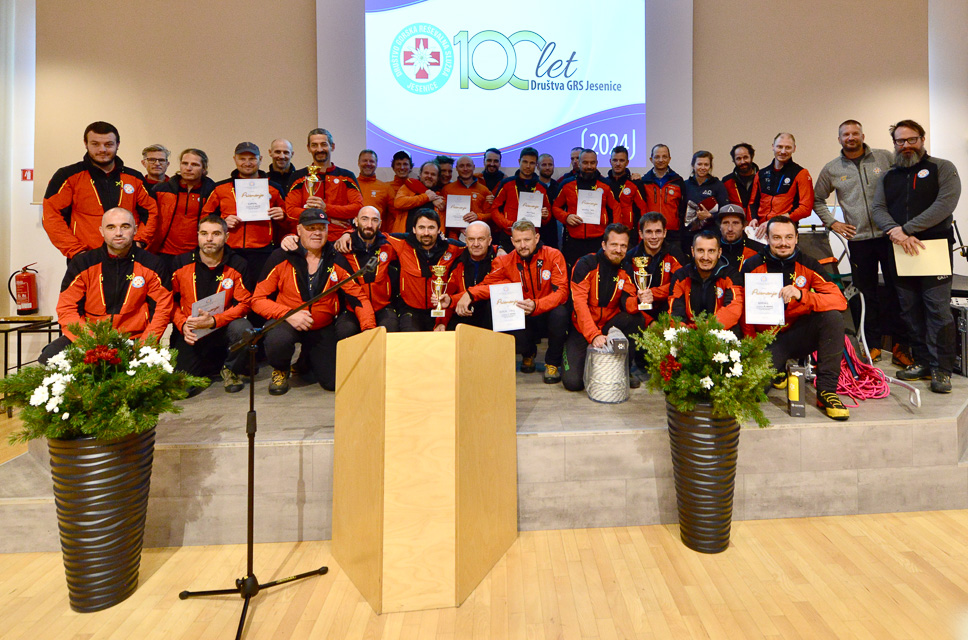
x,y
332,276
719,292
672,191
447,256
383,256
546,274
373,194
923,173
626,191
786,180
137,282
667,267
129,189
801,282
421,58
877,170
227,283
621,283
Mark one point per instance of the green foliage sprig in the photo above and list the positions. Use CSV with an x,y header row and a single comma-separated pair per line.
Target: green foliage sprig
x,y
103,385
708,364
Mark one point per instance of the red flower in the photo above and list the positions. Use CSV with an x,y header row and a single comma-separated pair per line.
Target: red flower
x,y
101,352
668,367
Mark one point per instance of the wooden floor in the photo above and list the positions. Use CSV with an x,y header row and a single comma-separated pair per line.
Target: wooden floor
x,y
876,577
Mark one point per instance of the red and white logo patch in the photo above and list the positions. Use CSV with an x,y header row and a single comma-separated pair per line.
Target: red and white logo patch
x,y
227,283
801,281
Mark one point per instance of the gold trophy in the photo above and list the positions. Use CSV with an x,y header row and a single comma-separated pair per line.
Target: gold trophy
x,y
642,279
438,284
312,180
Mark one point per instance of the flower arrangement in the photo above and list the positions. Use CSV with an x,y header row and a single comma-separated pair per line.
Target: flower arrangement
x,y
707,363
103,385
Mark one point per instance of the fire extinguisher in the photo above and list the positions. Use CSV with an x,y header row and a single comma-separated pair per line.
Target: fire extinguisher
x,y
26,296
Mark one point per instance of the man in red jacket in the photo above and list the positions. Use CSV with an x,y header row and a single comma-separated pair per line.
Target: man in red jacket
x,y
584,235
543,276
78,195
783,188
114,281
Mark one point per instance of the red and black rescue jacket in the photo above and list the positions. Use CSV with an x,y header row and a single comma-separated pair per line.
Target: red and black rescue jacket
x,y
175,229
721,294
338,189
567,203
379,286
78,195
737,253
543,277
256,234
631,203
665,196
600,291
415,262
504,209
465,274
738,192
784,192
192,280
98,285
287,285
661,267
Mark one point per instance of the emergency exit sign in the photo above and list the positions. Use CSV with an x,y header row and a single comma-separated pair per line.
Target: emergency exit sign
x,y
26,175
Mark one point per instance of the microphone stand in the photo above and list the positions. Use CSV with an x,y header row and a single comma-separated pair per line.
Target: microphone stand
x,y
248,586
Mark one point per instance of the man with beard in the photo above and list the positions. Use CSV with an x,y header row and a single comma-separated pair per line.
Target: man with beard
x,y
543,276
915,201
469,270
293,278
783,188
575,158
603,296
736,245
853,175
280,166
78,195
661,264
395,221
550,231
813,313
505,206
445,165
419,194
114,282
375,193
364,243
468,185
662,191
252,240
625,191
583,237
739,184
203,341
492,174
154,158
326,187
416,252
707,284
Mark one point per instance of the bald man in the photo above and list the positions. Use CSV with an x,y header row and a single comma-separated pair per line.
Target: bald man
x,y
121,278
469,270
467,184
782,188
280,167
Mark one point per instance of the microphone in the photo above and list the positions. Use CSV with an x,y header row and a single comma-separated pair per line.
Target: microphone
x,y
371,264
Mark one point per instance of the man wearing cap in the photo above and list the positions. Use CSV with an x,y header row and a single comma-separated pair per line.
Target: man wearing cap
x,y
253,240
736,245
293,278
661,265
853,175
323,185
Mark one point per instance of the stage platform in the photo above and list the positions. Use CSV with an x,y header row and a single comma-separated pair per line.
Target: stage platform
x,y
580,464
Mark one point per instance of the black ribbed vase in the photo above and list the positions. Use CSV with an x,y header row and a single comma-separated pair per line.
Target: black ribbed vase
x,y
101,493
704,452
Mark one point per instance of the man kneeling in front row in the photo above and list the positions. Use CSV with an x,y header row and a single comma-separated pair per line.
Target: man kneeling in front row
x,y
813,312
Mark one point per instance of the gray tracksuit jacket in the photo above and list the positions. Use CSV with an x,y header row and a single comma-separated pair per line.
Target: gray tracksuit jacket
x,y
855,186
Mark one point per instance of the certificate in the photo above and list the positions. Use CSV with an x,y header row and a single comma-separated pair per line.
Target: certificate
x,y
252,199
529,206
762,299
457,208
589,207
505,314
933,260
212,305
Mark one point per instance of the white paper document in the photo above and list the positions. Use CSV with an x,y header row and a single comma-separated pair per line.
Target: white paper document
x,y
589,207
252,199
762,299
505,314
933,260
529,206
212,305
457,208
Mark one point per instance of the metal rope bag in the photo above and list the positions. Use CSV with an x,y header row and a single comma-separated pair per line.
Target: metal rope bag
x,y
607,369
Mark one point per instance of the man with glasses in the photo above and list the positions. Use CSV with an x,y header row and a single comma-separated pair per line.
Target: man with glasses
x,y
154,158
915,201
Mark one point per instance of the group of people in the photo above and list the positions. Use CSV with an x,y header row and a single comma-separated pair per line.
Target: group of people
x,y
143,249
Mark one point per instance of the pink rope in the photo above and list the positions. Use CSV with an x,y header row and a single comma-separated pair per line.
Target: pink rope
x,y
870,383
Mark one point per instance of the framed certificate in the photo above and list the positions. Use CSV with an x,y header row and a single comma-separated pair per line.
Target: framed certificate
x,y
762,299
252,199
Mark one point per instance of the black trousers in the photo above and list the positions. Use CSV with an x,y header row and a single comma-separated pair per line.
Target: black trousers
x,y
926,309
575,248
822,332
415,319
480,317
576,348
882,315
347,324
56,346
552,325
318,344
210,353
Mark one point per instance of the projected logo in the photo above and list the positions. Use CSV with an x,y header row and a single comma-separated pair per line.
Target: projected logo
x,y
421,58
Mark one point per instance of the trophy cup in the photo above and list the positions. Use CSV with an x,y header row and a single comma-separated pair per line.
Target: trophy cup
x,y
312,180
438,284
642,279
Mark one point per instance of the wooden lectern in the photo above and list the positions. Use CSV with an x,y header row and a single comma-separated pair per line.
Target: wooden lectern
x,y
425,464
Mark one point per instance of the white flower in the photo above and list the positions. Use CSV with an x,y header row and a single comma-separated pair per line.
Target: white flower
x,y
59,362
724,335
720,357
669,334
736,371
706,383
673,352
40,395
65,416
734,355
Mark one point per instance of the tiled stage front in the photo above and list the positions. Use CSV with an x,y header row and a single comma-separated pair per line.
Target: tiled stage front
x,y
580,464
